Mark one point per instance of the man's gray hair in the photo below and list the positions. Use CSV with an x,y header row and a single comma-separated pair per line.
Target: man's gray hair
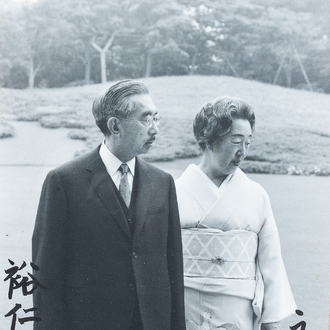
x,y
116,102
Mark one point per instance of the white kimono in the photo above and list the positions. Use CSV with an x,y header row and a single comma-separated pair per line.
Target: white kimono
x,y
232,253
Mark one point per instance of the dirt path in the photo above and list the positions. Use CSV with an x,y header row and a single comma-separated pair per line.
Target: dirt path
x,y
24,162
35,145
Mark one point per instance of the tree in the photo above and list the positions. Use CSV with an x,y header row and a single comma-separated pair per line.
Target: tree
x,y
53,43
159,22
213,39
20,40
289,35
9,47
105,23
34,34
78,14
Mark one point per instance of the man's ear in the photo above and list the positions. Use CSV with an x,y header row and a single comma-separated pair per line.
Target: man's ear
x,y
113,125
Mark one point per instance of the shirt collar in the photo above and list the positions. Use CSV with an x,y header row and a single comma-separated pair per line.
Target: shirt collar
x,y
112,163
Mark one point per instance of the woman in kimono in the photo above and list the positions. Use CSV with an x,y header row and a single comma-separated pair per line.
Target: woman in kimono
x,y
233,269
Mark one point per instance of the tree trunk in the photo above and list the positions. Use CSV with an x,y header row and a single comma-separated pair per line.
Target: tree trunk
x,y
31,73
289,72
193,64
281,65
103,66
149,65
103,53
230,65
87,67
302,68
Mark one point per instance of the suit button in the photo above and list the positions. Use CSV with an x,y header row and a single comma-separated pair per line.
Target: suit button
x,y
134,255
130,221
131,287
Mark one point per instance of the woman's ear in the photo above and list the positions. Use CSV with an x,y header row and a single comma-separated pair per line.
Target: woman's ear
x,y
113,125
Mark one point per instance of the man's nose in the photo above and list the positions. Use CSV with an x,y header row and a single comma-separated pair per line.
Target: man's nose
x,y
153,129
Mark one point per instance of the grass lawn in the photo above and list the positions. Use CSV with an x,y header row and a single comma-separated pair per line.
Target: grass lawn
x,y
292,127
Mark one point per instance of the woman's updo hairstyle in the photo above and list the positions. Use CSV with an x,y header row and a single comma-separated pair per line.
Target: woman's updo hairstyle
x,y
215,118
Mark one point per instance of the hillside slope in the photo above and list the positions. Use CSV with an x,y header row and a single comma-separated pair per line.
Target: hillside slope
x,y
292,126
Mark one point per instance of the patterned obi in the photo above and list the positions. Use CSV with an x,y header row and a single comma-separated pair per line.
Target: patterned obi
x,y
217,254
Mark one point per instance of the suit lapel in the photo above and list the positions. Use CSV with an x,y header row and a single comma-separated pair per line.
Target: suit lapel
x,y
105,189
143,190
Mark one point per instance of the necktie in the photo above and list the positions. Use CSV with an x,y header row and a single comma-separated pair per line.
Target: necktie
x,y
124,186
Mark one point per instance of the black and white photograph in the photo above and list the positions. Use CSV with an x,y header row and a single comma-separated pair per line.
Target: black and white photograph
x,y
164,165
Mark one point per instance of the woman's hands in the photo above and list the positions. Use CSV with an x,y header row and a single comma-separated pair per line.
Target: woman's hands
x,y
271,326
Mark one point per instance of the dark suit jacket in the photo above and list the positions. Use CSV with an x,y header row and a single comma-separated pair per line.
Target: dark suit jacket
x,y
92,264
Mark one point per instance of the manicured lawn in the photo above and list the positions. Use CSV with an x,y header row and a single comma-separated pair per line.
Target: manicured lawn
x,y
292,128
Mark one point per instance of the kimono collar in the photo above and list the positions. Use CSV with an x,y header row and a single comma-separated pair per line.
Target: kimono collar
x,y
202,187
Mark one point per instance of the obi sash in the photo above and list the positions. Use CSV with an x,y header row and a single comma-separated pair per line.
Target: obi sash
x,y
213,253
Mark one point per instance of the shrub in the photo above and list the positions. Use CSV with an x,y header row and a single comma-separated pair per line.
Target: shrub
x,y
6,130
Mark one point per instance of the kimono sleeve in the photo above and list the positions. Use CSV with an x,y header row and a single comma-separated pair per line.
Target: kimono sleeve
x,y
48,253
278,299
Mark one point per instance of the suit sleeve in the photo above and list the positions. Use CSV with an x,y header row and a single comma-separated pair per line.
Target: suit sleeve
x,y
48,253
175,262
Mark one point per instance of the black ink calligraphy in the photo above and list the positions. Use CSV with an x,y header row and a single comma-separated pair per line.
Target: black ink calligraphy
x,y
28,284
302,324
17,281
21,320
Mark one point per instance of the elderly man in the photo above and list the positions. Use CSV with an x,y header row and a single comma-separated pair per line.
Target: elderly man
x,y
107,235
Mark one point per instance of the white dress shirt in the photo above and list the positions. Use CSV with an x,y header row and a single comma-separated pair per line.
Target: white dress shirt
x,y
112,164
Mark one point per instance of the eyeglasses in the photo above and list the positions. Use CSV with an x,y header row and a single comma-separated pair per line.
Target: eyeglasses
x,y
151,120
